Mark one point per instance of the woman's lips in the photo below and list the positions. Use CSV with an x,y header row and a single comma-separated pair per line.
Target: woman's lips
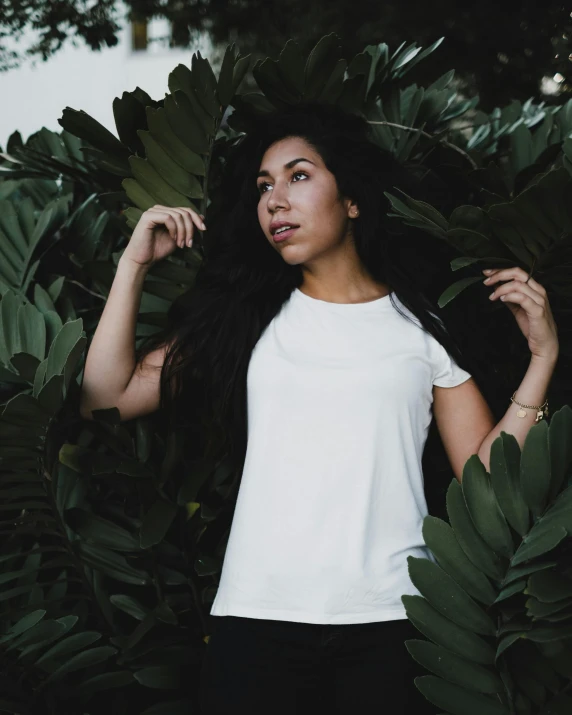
x,y
284,234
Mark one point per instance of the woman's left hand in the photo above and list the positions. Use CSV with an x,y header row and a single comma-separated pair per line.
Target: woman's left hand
x,y
527,301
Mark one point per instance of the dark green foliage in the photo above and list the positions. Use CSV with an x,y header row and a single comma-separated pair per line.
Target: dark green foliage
x,y
113,534
499,53
527,602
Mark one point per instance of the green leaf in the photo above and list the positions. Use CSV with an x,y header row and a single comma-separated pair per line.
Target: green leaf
x,y
24,624
519,571
68,645
166,614
62,347
25,365
46,630
549,586
291,65
453,668
51,395
164,135
505,479
32,331
448,597
156,523
106,681
552,633
24,411
85,659
535,468
320,63
457,700
463,262
440,538
129,605
510,590
333,88
472,543
132,214
484,508
539,609
204,83
155,185
560,444
85,127
453,290
144,438
138,195
270,80
179,179
534,545
419,214
188,121
42,299
172,272
112,564
129,115
164,677
225,87
102,531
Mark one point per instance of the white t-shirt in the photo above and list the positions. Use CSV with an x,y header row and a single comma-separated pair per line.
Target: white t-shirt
x,y
331,501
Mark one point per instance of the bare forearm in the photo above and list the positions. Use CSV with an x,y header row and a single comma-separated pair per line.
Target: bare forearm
x,y
110,360
531,391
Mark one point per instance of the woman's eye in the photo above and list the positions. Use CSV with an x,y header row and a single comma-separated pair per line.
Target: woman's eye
x,y
261,189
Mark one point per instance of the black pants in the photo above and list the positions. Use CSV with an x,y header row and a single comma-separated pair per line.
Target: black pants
x,y
267,667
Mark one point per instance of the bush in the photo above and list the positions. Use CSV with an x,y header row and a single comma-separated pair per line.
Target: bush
x,y
114,533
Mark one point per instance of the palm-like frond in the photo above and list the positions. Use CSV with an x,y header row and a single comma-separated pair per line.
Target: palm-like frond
x,y
500,592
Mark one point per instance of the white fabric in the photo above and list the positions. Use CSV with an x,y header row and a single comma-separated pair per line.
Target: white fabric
x,y
331,501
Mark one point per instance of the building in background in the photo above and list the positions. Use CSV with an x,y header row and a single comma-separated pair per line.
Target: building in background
x,y
77,77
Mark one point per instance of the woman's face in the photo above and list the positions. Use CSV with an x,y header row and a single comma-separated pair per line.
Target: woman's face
x,y
295,187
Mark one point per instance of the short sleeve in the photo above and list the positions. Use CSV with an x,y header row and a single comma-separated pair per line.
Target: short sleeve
x,y
446,372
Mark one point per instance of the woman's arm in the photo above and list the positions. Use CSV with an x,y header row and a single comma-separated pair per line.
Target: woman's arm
x,y
110,376
531,391
464,419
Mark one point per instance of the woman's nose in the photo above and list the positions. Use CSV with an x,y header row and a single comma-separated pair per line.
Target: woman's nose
x,y
278,198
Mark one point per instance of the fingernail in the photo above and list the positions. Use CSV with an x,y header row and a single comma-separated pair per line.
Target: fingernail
x,y
486,280
491,296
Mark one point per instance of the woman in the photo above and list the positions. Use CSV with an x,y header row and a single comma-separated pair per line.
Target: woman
x,y
322,367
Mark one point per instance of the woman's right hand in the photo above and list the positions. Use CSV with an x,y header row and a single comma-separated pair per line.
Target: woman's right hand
x,y
159,231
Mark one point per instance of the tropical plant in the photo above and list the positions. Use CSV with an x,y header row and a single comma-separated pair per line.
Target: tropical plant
x,y
496,600
114,532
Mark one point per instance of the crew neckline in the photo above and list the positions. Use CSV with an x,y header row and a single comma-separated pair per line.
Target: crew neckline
x,y
377,303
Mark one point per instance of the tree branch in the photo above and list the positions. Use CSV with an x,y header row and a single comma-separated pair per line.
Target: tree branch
x,y
430,136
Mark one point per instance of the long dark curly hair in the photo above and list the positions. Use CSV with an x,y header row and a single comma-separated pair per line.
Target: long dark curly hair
x,y
243,282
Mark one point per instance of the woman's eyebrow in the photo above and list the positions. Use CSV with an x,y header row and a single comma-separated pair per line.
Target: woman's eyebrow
x,y
289,165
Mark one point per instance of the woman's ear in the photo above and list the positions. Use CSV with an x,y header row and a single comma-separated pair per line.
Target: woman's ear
x,y
353,211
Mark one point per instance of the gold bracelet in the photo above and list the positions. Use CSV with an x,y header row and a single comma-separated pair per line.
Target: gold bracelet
x,y
541,411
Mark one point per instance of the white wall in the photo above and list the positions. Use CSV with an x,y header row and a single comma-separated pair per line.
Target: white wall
x,y
77,77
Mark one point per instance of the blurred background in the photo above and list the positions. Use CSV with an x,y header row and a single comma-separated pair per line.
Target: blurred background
x,y
82,53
